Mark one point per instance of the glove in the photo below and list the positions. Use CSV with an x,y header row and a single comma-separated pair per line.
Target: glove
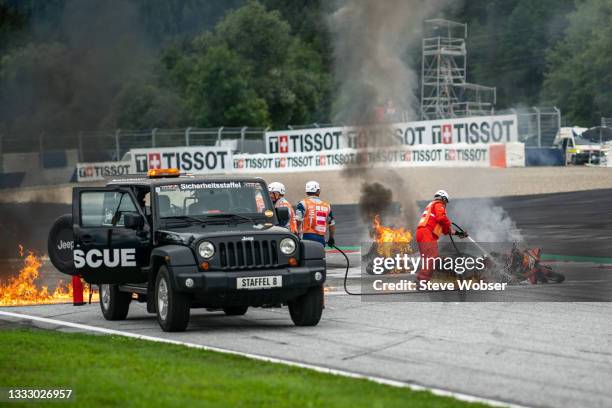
x,y
462,234
331,242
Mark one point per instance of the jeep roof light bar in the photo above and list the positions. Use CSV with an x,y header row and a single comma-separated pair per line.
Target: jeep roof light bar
x,y
158,173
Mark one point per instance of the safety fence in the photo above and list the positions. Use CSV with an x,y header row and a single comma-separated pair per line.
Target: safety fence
x,y
112,145
537,126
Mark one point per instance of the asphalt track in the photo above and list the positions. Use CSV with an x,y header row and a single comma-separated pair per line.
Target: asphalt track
x,y
534,354
575,223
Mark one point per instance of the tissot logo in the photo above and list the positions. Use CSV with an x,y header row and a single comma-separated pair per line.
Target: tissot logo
x,y
283,143
447,134
190,159
154,161
248,238
304,142
110,258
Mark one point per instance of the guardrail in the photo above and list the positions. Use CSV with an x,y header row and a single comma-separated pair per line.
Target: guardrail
x,y
537,125
112,145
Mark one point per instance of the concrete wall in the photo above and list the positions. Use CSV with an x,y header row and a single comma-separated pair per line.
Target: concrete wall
x,y
35,174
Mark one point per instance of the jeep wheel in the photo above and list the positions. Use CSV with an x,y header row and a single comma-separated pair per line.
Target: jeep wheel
x,y
114,303
60,245
307,309
172,307
235,310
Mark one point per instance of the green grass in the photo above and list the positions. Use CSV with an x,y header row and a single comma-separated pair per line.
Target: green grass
x,y
108,371
574,258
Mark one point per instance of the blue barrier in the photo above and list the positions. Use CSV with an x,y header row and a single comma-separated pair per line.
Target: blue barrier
x,y
54,159
544,156
73,178
11,180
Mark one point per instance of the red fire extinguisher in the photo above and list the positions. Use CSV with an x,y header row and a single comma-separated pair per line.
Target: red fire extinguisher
x,y
77,291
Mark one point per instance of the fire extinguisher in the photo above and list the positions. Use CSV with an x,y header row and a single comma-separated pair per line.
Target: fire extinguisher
x,y
77,291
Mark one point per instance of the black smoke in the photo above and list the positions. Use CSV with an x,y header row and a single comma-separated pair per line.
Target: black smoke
x,y
69,75
375,199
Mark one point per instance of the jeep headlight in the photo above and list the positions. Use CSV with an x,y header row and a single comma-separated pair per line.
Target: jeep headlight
x,y
287,246
206,249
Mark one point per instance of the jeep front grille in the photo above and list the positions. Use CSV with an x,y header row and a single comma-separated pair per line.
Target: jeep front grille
x,y
248,254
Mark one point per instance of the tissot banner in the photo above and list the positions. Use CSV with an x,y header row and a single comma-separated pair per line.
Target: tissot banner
x,y
101,170
456,155
472,130
196,160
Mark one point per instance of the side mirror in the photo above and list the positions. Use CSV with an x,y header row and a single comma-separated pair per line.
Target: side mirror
x,y
282,213
133,220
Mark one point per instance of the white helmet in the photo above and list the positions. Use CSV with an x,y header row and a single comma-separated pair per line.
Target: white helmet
x,y
276,187
442,194
312,187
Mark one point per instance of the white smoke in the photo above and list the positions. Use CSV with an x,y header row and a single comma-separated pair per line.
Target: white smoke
x,y
484,221
375,44
374,47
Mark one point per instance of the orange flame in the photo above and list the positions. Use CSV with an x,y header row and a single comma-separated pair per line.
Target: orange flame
x,y
23,290
390,241
390,235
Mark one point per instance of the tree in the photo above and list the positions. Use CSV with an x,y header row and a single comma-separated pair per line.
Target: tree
x,y
74,79
142,104
267,69
507,41
262,38
167,20
579,74
220,93
308,20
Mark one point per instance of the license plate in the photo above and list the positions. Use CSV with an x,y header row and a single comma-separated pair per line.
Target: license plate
x,y
259,282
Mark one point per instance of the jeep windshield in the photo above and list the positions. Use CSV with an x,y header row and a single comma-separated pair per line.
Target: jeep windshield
x,y
218,200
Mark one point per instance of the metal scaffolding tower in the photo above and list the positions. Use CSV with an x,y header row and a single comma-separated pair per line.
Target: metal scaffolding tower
x,y
445,92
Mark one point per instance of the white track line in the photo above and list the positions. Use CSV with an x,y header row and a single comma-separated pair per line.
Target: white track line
x,y
320,369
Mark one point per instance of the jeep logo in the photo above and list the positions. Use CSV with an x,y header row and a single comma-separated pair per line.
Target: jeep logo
x,y
111,258
65,244
248,238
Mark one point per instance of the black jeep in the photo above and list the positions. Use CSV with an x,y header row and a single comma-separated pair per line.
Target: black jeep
x,y
184,241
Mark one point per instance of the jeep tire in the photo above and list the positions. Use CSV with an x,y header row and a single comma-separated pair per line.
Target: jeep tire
x,y
235,310
114,303
171,307
307,309
60,244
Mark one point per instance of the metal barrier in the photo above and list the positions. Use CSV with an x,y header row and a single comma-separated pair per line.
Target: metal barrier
x,y
537,126
94,146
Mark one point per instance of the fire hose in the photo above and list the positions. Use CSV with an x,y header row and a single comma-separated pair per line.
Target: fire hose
x,y
463,234
348,265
